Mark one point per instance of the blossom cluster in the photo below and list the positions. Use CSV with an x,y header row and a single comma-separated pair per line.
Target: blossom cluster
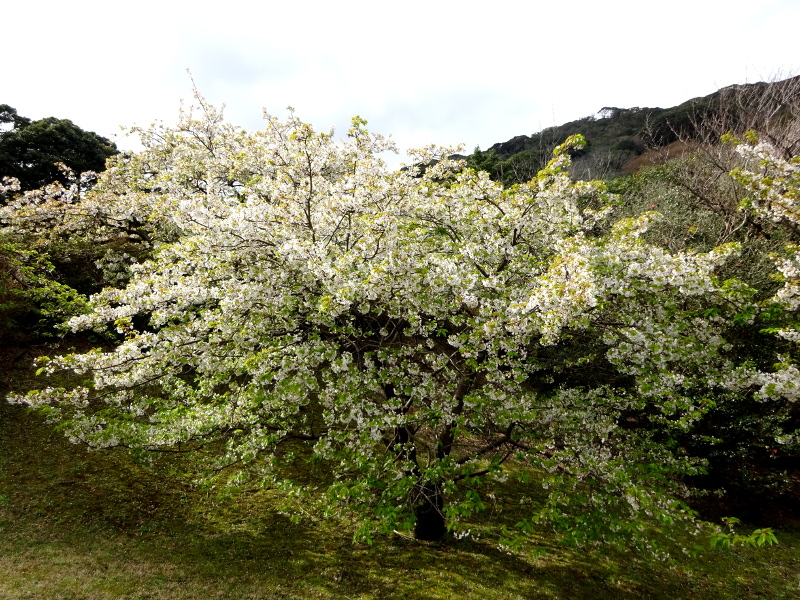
x,y
415,329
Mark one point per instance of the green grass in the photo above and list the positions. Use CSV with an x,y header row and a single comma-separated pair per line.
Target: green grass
x,y
76,524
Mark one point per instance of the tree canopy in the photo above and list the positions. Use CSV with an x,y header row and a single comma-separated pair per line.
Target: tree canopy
x,y
419,333
30,150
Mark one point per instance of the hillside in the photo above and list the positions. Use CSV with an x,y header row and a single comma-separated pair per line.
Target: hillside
x,y
619,140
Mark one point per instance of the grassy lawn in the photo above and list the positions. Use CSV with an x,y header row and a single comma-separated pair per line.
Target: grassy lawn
x,y
95,525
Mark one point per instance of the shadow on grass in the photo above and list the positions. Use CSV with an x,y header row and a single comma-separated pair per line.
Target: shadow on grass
x,y
302,561
98,525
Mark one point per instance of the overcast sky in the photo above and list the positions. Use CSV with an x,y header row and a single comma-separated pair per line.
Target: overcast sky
x,y
442,72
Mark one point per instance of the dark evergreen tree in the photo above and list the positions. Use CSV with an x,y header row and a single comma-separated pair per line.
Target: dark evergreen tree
x,y
29,150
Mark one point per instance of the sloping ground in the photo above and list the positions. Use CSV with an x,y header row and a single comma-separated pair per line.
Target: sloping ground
x,y
81,525
616,137
657,156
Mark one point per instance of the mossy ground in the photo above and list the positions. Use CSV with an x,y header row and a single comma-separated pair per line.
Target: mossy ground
x,y
76,524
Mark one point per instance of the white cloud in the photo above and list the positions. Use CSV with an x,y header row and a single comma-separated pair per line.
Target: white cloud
x,y
423,71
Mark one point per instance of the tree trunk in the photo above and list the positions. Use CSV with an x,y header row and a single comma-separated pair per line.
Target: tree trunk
x,y
430,524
